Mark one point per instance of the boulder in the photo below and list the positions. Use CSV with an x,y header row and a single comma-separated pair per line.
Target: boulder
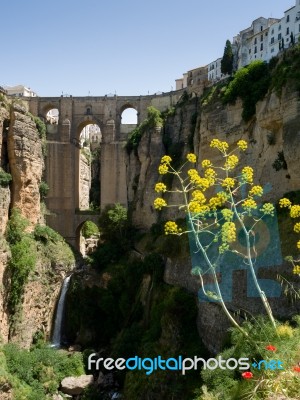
x,y
76,385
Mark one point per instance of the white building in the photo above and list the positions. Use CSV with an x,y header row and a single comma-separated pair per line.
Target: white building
x,y
214,70
264,39
19,91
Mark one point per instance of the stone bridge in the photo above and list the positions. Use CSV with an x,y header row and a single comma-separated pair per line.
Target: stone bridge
x,y
62,172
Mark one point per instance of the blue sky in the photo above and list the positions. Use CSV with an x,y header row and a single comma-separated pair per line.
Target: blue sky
x,y
127,47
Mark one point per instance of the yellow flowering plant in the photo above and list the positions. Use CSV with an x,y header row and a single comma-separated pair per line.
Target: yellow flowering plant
x,y
294,212
218,200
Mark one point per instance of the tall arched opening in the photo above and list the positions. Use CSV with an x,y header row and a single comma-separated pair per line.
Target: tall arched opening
x,y
129,119
88,177
87,237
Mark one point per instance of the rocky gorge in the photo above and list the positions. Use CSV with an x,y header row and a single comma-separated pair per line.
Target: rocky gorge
x,y
111,304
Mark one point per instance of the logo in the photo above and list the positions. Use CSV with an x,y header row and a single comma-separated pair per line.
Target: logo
x,y
172,364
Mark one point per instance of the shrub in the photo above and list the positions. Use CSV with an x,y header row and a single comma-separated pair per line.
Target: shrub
x,y
5,178
89,229
44,233
44,189
250,83
38,373
22,262
154,119
16,226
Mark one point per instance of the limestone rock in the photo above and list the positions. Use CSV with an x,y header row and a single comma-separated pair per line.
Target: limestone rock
x,y
26,164
76,385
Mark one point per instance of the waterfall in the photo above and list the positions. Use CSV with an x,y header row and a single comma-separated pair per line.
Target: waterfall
x,y
56,337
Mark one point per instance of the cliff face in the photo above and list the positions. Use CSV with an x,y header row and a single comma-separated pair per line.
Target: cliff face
x,y
274,137
274,129
21,157
25,162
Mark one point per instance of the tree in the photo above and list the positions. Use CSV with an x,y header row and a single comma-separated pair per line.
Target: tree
x,y
227,60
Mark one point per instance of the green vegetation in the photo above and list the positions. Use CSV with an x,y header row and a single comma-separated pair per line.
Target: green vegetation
x,y
265,344
36,374
89,229
153,120
5,178
44,189
143,316
286,69
26,248
42,129
52,247
227,60
251,84
23,259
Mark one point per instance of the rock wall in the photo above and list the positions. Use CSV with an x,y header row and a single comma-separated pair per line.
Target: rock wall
x,y
274,129
21,156
26,163
85,182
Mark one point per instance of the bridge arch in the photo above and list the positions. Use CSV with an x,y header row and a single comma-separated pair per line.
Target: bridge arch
x,y
44,112
79,239
89,120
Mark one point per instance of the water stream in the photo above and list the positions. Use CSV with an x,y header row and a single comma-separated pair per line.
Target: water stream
x,y
56,337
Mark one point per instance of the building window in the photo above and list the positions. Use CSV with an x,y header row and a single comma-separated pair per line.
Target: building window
x,y
288,18
287,31
261,38
272,50
272,32
255,49
261,46
249,51
255,40
272,40
299,28
279,28
261,28
279,36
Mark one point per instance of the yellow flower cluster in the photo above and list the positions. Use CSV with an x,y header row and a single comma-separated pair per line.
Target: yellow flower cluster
x,y
163,169
247,174
295,211
256,191
159,203
227,214
218,201
198,196
285,203
191,157
222,146
171,228
231,162
296,270
297,227
206,164
242,145
223,196
166,160
249,204
228,232
210,174
196,207
160,187
298,244
268,209
195,178
164,166
285,330
228,183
